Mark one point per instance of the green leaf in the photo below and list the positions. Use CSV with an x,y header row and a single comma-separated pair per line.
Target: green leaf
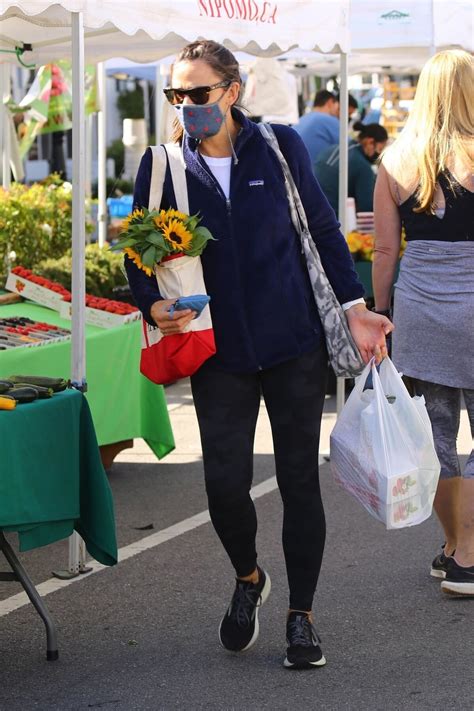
x,y
148,256
203,232
157,239
192,223
124,242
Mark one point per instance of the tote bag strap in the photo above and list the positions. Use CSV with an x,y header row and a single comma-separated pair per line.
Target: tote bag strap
x,y
178,176
171,154
157,177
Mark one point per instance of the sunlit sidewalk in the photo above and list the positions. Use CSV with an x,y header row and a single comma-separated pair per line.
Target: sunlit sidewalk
x,y
186,432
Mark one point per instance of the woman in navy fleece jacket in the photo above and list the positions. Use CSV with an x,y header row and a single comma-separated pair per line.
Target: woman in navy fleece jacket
x,y
268,335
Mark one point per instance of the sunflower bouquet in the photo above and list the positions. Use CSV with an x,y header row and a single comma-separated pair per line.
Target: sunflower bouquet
x,y
150,236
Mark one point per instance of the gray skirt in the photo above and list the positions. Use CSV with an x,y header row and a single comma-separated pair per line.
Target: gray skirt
x,y
434,313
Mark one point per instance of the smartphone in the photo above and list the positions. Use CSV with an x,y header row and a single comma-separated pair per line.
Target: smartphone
x,y
196,302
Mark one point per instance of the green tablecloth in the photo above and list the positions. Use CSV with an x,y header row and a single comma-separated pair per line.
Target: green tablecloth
x,y
124,404
52,480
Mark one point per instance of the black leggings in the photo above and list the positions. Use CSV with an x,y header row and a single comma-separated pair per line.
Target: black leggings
x,y
227,407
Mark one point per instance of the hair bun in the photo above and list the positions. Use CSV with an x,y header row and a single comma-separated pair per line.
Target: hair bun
x,y
358,126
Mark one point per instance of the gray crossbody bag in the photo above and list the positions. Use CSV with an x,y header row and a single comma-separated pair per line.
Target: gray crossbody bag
x,y
344,355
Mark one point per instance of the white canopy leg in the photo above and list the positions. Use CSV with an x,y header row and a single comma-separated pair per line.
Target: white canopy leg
x,y
158,102
78,357
343,180
78,370
5,124
102,155
3,120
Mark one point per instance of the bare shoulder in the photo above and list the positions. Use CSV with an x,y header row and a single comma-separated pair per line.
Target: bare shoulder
x,y
401,175
462,172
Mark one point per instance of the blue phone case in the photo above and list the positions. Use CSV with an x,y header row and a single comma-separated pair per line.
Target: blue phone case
x,y
196,302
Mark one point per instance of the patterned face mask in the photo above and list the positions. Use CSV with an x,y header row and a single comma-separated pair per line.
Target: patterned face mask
x,y
200,122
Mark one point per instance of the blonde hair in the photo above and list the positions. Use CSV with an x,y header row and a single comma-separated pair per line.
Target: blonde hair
x,y
440,125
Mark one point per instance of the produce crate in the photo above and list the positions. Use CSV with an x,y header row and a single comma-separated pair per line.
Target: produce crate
x,y
97,317
34,292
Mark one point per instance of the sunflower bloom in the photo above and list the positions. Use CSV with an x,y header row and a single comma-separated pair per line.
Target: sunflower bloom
x,y
166,215
135,257
129,219
160,220
177,235
176,214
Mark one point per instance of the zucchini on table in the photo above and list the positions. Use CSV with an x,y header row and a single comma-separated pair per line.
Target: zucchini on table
x,y
56,384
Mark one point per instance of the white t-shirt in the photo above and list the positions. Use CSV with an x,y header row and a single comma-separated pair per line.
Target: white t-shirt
x,y
220,168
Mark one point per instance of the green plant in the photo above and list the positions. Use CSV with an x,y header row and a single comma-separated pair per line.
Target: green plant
x,y
35,222
115,187
130,104
104,270
116,150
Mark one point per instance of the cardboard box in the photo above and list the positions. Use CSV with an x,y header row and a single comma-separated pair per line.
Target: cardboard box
x,y
34,292
97,317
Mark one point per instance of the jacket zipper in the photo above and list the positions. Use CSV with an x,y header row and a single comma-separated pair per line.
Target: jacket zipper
x,y
216,184
229,213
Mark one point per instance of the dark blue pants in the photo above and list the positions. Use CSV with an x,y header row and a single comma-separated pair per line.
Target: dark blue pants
x,y
227,407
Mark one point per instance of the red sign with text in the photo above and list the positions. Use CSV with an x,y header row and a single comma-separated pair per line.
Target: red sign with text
x,y
251,10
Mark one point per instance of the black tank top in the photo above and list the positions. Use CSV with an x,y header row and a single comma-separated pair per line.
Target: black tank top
x,y
457,224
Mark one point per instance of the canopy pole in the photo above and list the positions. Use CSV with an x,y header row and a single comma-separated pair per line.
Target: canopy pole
x,y
78,350
432,27
3,121
343,145
102,155
158,101
5,124
78,207
343,180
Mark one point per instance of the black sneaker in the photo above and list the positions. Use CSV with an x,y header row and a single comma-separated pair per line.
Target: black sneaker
x,y
459,581
439,565
239,628
303,650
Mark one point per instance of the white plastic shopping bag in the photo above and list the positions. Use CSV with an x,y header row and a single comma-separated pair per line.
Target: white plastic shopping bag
x,y
382,449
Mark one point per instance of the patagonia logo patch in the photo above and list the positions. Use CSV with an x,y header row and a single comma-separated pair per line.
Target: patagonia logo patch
x,y
255,183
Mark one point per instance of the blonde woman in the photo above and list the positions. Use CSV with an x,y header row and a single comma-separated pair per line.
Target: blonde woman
x,y
425,184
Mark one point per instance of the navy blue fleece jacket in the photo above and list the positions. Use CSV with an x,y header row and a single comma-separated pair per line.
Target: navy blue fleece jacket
x,y
262,305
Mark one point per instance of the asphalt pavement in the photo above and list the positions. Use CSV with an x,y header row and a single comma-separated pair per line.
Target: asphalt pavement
x,y
143,635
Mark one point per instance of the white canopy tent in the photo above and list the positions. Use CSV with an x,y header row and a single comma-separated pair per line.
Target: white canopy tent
x,y
400,39
411,32
144,30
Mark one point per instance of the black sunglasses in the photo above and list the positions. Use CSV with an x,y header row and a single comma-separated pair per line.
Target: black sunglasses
x,y
198,95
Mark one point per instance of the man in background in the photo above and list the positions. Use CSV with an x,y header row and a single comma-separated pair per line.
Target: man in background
x,y
319,128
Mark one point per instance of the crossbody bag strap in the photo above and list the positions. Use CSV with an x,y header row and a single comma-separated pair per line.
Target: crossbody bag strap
x,y
298,215
162,155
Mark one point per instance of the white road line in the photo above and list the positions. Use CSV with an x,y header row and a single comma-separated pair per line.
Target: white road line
x,y
156,539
